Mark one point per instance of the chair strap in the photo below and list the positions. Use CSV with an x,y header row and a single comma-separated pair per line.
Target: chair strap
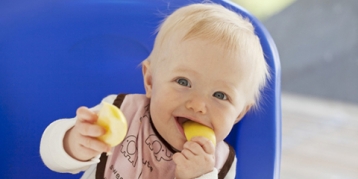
x,y
227,165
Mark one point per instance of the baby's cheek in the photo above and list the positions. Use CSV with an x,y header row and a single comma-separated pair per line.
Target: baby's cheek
x,y
222,130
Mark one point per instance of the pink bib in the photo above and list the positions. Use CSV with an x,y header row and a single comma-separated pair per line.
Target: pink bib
x,y
143,153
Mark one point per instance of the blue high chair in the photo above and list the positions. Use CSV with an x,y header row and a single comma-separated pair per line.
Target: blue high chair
x,y
58,55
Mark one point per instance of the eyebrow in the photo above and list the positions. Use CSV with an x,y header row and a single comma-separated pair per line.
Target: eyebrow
x,y
181,69
229,86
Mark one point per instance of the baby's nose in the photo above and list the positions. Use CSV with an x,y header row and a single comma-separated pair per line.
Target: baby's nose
x,y
197,104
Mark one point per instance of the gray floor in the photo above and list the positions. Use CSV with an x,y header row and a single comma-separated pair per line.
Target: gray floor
x,y
318,45
320,139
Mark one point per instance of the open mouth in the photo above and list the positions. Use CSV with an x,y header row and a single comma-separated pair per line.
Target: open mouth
x,y
180,121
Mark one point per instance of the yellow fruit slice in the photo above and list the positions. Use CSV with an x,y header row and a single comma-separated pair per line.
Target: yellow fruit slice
x,y
192,129
114,122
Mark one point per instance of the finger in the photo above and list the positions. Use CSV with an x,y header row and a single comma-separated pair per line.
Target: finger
x,y
84,114
179,159
205,144
198,151
193,147
181,164
94,144
91,130
187,154
87,153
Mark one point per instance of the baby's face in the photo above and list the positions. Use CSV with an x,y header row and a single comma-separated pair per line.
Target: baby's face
x,y
196,81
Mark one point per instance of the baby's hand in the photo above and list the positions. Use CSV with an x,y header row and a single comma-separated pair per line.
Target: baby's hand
x,y
81,142
197,158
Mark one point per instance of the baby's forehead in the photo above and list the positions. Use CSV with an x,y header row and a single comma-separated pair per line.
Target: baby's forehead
x,y
197,54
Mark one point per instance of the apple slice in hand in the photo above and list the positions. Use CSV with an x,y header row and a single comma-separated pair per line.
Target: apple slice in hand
x,y
192,129
114,122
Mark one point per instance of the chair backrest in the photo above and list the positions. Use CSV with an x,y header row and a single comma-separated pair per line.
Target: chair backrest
x,y
57,55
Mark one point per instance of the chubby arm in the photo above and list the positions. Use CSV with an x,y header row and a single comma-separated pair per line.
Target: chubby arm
x,y
57,149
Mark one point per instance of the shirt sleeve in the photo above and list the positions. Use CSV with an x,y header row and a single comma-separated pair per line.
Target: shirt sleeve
x,y
52,150
211,175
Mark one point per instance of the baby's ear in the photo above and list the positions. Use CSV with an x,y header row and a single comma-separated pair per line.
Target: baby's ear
x,y
147,77
243,112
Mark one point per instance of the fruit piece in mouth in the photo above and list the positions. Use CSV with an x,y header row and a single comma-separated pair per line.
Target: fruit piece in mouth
x,y
193,129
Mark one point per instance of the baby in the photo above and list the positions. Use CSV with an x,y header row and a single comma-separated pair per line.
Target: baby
x,y
206,66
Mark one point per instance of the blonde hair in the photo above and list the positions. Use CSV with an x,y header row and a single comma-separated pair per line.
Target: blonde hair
x,y
221,26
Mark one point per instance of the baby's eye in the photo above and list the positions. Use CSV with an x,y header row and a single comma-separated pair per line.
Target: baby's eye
x,y
183,82
220,95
